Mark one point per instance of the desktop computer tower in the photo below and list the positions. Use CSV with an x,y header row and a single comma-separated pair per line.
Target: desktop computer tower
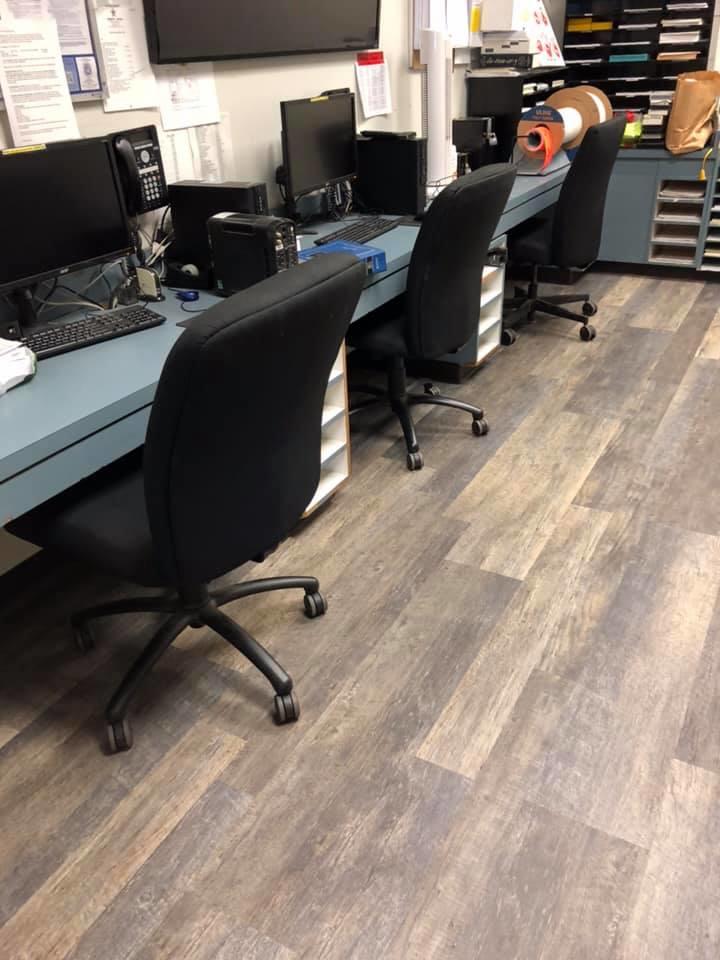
x,y
192,203
392,173
246,249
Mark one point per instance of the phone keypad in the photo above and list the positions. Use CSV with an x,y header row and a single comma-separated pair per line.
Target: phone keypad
x,y
154,194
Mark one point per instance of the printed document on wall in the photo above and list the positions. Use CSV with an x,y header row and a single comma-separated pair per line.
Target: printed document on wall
x,y
26,9
73,26
215,151
187,95
123,47
34,87
180,154
373,82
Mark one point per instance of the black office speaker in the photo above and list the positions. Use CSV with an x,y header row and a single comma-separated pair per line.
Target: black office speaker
x,y
246,249
392,174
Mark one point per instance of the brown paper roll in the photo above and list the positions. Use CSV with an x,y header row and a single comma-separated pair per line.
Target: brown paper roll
x,y
577,98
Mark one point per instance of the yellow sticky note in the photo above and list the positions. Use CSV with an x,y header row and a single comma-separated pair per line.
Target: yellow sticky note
x,y
475,20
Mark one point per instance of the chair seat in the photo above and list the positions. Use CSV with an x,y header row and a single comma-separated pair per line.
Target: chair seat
x,y
383,333
532,243
101,520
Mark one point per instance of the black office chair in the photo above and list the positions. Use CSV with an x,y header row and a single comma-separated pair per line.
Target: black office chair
x,y
231,460
569,237
440,309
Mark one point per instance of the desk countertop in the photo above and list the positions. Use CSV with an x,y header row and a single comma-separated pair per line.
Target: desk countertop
x,y
76,395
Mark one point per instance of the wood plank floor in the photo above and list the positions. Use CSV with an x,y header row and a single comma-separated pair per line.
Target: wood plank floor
x,y
510,740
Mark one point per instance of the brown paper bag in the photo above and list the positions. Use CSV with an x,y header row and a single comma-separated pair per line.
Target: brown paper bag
x,y
690,124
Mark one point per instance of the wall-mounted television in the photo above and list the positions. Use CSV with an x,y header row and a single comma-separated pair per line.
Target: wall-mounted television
x,y
185,30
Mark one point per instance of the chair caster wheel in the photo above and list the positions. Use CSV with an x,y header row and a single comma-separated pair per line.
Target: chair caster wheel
x,y
415,461
83,637
287,708
588,332
509,336
119,736
315,605
431,390
589,308
480,427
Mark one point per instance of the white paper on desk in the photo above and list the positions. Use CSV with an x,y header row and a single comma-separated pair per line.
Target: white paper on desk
x,y
187,96
33,82
373,82
121,35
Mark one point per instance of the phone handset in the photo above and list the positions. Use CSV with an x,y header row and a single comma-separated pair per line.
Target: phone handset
x,y
129,175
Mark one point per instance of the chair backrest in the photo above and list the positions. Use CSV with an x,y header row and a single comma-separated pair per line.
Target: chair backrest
x,y
232,453
442,302
578,215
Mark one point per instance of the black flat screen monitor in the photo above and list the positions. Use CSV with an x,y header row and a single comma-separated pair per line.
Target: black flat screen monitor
x,y
319,142
185,30
62,209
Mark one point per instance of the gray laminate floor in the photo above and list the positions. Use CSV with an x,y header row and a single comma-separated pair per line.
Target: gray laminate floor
x,y
510,738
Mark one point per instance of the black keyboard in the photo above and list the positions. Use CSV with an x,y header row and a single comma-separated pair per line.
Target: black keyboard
x,y
94,328
363,231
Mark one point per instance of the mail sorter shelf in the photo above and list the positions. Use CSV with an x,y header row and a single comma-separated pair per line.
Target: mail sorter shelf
x,y
675,235
335,437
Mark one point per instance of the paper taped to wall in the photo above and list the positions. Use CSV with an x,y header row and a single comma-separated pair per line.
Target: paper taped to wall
x,y
199,153
373,82
73,26
187,95
123,47
33,83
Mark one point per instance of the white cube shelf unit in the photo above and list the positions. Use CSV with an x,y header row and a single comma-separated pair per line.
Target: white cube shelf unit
x,y
486,339
335,445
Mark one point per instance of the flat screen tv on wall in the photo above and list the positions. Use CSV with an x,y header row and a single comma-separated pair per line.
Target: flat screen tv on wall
x,y
187,30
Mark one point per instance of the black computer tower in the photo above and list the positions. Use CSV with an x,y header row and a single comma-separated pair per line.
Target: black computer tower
x,y
392,174
246,249
193,202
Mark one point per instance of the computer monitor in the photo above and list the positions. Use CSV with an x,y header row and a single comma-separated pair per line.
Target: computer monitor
x,y
62,209
319,142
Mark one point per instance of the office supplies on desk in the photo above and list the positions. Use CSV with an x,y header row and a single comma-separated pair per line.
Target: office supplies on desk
x,y
359,231
62,209
548,135
235,434
53,339
373,257
246,249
